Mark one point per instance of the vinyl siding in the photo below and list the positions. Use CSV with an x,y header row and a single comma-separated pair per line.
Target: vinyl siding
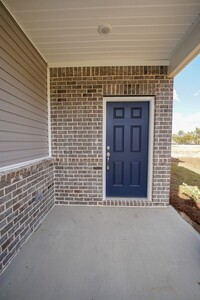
x,y
23,97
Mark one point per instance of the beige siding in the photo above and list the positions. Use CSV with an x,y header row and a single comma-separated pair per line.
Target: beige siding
x,y
23,97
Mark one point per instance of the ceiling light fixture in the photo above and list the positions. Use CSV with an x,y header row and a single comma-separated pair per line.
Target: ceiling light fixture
x,y
104,29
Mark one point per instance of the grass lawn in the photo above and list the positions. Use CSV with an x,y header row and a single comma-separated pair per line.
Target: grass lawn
x,y
186,170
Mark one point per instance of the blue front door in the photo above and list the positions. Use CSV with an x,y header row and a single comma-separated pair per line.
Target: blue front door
x,y
127,149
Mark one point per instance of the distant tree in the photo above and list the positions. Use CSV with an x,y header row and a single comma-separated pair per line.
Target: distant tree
x,y
192,137
181,133
188,138
197,135
197,130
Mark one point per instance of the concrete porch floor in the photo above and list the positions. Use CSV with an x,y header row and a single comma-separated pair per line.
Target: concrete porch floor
x,y
97,253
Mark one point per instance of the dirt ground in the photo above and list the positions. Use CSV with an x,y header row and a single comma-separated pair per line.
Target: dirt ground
x,y
185,170
191,163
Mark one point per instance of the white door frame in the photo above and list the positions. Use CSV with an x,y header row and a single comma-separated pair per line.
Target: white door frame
x,y
150,146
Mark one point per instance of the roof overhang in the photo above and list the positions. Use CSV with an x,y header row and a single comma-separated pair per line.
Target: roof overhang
x,y
146,32
186,50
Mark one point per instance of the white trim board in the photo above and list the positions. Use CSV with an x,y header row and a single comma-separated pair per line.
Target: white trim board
x,y
24,164
107,63
150,146
49,110
186,50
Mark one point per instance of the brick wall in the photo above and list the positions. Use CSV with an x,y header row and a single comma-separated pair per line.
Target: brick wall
x,y
77,126
26,195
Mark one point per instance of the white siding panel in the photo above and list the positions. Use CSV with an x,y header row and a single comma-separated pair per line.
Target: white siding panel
x,y
23,133
20,65
181,28
8,97
11,42
118,36
42,25
13,146
23,41
9,116
23,97
107,12
12,90
39,5
23,137
25,78
16,83
22,112
7,159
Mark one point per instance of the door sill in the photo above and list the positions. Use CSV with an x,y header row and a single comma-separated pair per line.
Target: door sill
x,y
125,199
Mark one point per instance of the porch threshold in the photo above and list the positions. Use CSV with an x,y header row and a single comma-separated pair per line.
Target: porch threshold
x,y
125,199
85,253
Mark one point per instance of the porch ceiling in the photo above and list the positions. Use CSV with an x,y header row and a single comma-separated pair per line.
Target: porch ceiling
x,y
143,32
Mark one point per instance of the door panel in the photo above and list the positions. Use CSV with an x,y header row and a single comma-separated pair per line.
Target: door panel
x,y
135,169
127,149
118,173
118,138
136,133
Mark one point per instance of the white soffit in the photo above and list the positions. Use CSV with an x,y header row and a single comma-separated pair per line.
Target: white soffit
x,y
146,32
185,51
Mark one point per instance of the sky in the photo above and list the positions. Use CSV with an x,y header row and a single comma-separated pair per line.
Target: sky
x,y
186,113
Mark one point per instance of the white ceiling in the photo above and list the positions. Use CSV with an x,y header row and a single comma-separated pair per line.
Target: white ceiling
x,y
143,31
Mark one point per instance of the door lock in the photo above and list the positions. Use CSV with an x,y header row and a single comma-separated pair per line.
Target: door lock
x,y
108,158
108,154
